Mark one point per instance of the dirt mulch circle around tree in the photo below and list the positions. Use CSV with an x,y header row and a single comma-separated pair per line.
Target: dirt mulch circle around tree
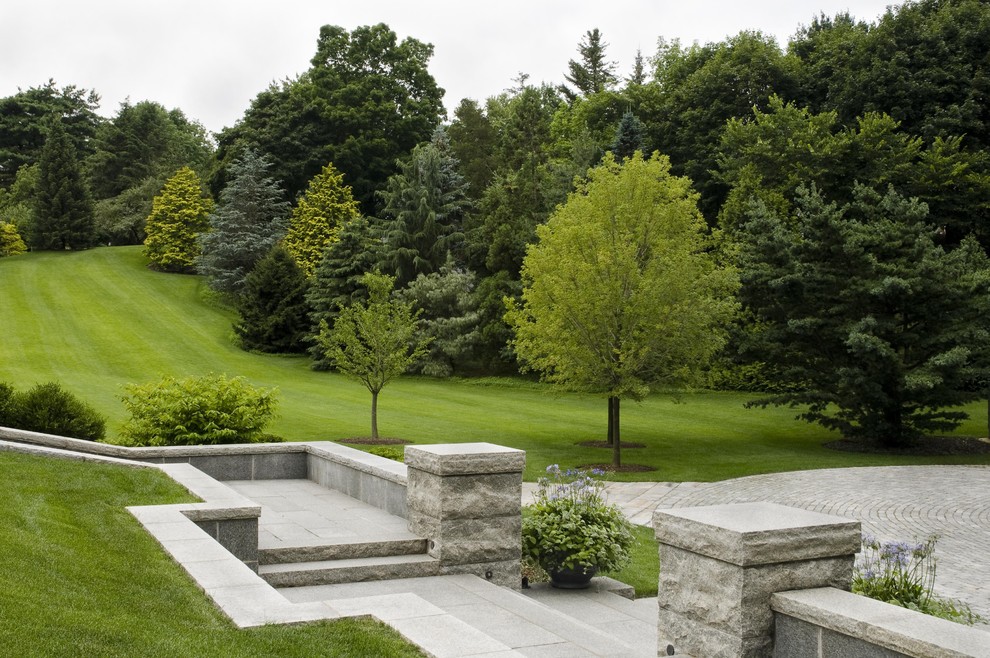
x,y
625,468
927,447
366,441
606,444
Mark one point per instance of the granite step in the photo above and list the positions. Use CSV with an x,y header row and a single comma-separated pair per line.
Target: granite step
x,y
348,550
355,570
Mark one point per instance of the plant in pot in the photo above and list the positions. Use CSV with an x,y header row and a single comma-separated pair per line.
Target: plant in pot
x,y
571,531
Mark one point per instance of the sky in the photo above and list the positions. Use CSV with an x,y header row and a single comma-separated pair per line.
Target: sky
x,y
210,58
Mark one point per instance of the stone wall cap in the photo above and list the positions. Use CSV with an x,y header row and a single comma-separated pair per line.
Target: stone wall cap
x,y
757,533
465,458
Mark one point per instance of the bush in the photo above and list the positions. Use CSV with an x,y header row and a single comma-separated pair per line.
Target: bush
x,y
50,409
196,411
7,394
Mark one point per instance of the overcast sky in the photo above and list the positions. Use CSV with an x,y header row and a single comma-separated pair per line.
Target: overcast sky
x,y
210,58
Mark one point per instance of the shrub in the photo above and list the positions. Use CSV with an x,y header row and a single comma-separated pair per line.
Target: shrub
x,y
7,394
197,410
51,409
903,574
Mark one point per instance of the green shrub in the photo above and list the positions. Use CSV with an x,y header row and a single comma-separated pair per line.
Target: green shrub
x,y
50,409
395,453
197,410
7,394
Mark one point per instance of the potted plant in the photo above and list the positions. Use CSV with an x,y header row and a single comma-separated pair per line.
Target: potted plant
x,y
571,531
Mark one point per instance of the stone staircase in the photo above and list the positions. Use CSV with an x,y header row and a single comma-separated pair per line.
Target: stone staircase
x,y
352,561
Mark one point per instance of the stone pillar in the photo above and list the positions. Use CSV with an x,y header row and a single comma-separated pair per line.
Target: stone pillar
x,y
465,498
719,566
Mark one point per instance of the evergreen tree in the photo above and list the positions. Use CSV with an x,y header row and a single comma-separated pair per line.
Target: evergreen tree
x,y
337,283
424,211
251,217
273,307
593,73
63,217
178,216
327,205
11,243
638,76
867,323
628,137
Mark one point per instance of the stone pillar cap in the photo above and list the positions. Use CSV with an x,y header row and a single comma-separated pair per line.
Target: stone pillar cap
x,y
748,534
465,458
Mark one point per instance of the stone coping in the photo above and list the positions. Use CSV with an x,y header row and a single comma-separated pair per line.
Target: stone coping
x,y
882,624
748,534
465,458
382,467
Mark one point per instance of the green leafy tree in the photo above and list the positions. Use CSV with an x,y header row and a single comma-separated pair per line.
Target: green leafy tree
x,y
179,215
424,207
273,307
316,220
251,217
17,203
197,410
63,216
121,219
620,294
593,74
874,330
11,243
373,342
337,283
366,101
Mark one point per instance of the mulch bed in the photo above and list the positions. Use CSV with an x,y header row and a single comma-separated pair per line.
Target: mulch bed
x,y
928,447
606,444
625,468
365,441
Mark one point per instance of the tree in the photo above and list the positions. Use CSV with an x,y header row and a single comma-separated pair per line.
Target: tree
x,y
366,101
11,243
251,217
620,295
17,203
472,142
628,137
593,74
63,217
638,75
179,215
317,218
872,328
273,307
424,206
373,342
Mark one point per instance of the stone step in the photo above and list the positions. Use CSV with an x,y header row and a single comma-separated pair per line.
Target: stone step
x,y
356,570
342,551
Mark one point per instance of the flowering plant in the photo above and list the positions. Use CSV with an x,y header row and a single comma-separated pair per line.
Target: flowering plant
x,y
570,526
903,573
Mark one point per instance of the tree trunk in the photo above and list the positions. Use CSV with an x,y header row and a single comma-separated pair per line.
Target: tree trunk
x,y
614,424
611,413
374,414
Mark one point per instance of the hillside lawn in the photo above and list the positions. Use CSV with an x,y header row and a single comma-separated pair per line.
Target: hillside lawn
x,y
98,319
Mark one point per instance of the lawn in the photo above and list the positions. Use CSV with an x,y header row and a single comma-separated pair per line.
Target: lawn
x,y
81,577
98,319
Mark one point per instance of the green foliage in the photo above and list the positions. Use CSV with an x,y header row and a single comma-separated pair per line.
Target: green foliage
x,y
17,204
395,453
472,142
373,342
50,409
250,218
273,307
571,526
11,243
903,574
63,214
195,410
593,74
424,206
643,569
121,219
628,137
317,218
7,399
873,327
179,215
620,296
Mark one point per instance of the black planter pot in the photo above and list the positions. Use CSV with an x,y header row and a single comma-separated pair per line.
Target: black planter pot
x,y
576,578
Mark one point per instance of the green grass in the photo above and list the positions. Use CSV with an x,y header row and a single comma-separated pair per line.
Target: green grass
x,y
643,570
98,319
80,577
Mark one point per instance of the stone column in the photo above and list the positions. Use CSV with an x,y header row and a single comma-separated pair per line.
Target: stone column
x,y
465,498
719,566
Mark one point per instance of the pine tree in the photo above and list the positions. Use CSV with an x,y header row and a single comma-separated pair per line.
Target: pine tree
x,y
63,217
424,209
315,223
272,305
628,137
178,216
251,217
638,76
593,73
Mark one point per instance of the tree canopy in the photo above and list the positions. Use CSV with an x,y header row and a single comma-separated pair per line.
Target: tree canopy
x,y
179,215
63,214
